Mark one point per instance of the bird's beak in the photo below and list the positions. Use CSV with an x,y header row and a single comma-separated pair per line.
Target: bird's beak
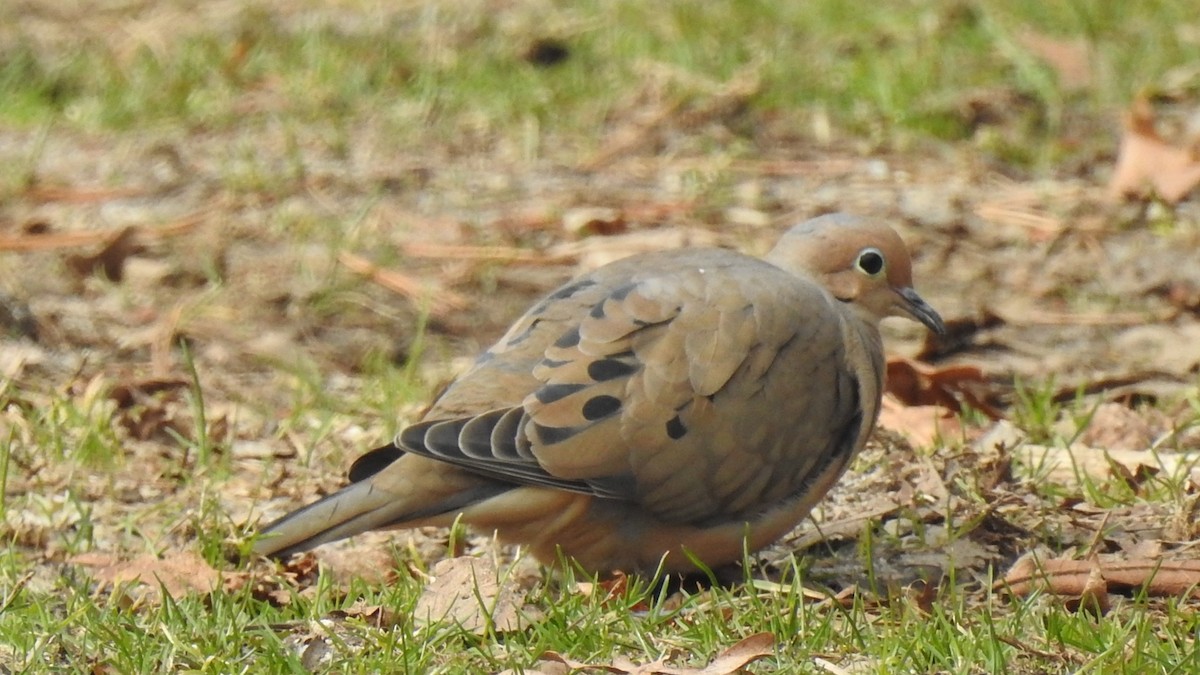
x,y
913,306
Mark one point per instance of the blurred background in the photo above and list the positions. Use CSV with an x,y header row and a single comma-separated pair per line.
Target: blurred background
x,y
242,242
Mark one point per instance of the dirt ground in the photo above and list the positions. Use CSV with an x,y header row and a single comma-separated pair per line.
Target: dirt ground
x,y
290,288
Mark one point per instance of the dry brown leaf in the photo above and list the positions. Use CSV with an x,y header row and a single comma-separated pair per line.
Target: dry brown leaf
x,y
741,654
1078,578
179,573
594,220
611,589
922,425
1093,597
1146,160
914,383
732,660
109,261
469,592
375,615
125,394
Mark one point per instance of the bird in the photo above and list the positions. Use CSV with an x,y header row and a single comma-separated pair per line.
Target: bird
x,y
666,412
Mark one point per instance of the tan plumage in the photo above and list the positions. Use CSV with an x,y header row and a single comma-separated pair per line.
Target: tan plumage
x,y
699,400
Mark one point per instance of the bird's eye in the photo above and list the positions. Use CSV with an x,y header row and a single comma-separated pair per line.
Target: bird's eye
x,y
870,262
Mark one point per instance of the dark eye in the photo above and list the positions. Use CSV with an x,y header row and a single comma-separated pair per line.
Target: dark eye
x,y
870,261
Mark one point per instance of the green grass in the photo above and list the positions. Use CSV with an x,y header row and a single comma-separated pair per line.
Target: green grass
x,y
56,617
448,80
69,625
892,75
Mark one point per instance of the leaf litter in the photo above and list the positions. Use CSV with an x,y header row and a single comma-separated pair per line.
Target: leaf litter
x,y
1013,263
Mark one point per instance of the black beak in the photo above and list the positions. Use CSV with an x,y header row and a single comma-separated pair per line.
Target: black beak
x,y
915,307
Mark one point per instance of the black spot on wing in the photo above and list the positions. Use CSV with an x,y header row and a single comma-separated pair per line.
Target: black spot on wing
x,y
571,289
556,392
568,339
373,462
597,311
562,293
622,292
675,428
599,407
603,370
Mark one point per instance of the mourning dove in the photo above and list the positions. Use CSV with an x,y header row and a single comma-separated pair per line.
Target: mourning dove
x,y
672,405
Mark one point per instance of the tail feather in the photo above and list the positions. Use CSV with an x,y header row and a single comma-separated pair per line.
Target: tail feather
x,y
357,508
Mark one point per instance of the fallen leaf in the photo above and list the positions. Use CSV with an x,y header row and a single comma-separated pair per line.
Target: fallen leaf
x,y
469,592
1093,597
741,654
375,615
915,384
179,573
922,425
611,589
125,394
1075,578
594,220
1146,160
109,261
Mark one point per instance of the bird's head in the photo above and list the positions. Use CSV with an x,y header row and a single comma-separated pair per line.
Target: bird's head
x,y
861,262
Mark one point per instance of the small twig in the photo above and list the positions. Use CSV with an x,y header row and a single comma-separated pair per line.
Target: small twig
x,y
441,301
60,240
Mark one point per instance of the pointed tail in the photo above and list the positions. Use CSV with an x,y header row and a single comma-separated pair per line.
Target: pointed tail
x,y
368,505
